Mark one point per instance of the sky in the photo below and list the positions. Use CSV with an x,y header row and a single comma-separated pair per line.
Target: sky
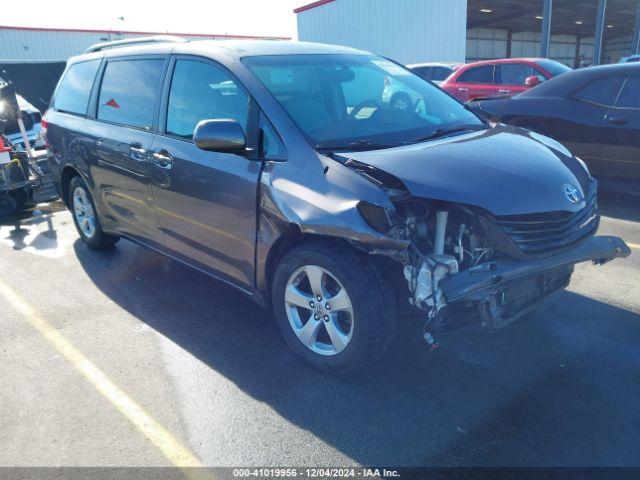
x,y
233,17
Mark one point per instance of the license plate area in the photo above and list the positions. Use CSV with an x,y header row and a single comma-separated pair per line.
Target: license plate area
x,y
511,301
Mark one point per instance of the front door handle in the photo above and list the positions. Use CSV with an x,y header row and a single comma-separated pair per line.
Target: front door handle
x,y
137,152
163,159
504,91
462,89
618,120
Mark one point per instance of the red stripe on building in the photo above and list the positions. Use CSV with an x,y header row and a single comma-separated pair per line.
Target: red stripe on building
x,y
131,32
319,3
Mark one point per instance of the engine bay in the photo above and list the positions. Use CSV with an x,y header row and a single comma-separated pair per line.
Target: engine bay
x,y
443,240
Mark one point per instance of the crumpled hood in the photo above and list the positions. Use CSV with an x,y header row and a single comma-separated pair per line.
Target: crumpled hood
x,y
505,170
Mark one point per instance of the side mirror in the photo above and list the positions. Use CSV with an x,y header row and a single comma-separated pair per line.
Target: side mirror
x,y
532,81
220,135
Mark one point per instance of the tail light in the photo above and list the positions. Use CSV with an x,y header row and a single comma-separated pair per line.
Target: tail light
x,y
3,147
5,156
44,125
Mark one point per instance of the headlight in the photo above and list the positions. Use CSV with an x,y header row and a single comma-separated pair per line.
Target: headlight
x,y
375,216
584,165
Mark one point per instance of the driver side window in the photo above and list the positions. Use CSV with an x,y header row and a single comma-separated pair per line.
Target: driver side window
x,y
201,91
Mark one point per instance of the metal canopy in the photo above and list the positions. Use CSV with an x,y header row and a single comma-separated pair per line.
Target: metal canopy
x,y
570,17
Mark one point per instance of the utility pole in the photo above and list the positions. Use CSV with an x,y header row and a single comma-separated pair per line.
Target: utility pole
x,y
545,40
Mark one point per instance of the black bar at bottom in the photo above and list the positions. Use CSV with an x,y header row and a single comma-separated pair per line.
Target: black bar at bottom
x,y
232,473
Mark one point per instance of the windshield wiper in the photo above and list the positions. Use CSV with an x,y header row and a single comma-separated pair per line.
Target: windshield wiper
x,y
443,132
358,145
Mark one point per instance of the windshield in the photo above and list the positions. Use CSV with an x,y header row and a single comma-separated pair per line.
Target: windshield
x,y
359,101
554,68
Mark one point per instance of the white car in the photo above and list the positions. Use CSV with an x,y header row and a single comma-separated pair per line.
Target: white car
x,y
433,71
632,58
31,117
396,96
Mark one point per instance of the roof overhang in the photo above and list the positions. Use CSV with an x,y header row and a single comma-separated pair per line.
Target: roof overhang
x,y
568,17
310,6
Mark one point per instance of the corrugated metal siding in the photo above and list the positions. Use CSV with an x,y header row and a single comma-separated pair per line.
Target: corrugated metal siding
x,y
486,44
41,46
617,48
409,31
22,45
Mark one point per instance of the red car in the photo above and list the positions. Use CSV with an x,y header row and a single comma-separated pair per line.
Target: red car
x,y
505,77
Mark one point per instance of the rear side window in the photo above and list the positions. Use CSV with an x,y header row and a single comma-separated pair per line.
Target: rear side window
x,y
440,73
201,91
478,75
75,88
630,95
128,92
424,72
603,91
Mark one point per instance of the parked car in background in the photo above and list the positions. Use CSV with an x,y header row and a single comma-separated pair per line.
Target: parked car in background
x,y
31,117
434,72
594,112
396,96
317,199
630,59
503,78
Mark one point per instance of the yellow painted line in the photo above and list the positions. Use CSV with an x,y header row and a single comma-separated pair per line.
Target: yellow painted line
x,y
634,245
172,450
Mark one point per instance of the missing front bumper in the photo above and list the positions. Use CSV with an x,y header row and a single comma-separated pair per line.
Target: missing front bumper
x,y
507,289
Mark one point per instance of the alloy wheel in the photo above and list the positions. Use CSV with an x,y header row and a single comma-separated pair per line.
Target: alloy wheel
x,y
319,310
83,211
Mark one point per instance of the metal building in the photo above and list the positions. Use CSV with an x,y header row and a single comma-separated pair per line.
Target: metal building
x,y
34,58
409,31
575,32
19,44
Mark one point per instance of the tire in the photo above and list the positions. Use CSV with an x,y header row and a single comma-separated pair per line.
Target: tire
x,y
401,101
7,205
21,197
85,216
365,329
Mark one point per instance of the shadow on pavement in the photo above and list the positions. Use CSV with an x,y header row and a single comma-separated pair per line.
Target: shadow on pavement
x,y
619,205
18,228
560,387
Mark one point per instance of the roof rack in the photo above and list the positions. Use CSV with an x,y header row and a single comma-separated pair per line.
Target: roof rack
x,y
135,41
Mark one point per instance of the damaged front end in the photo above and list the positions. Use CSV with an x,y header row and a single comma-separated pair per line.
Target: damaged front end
x,y
463,256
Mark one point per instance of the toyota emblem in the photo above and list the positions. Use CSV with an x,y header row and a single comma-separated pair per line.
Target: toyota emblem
x,y
572,193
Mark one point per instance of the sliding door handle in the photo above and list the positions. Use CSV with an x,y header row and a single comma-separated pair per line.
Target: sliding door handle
x,y
137,152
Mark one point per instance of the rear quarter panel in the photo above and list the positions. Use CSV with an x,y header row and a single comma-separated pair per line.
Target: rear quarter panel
x,y
67,145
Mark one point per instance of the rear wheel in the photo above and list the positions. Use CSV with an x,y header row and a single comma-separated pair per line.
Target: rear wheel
x,y
85,217
334,309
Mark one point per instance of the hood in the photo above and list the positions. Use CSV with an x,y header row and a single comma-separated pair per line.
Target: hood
x,y
504,170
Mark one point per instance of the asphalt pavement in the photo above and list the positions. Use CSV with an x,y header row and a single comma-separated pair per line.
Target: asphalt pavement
x,y
127,358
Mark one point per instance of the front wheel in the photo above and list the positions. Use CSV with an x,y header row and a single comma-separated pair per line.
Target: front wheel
x,y
334,309
85,217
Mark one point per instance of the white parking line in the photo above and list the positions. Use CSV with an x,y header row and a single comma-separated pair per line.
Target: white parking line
x,y
177,454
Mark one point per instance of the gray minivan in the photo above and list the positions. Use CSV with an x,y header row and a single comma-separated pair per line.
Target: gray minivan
x,y
277,168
